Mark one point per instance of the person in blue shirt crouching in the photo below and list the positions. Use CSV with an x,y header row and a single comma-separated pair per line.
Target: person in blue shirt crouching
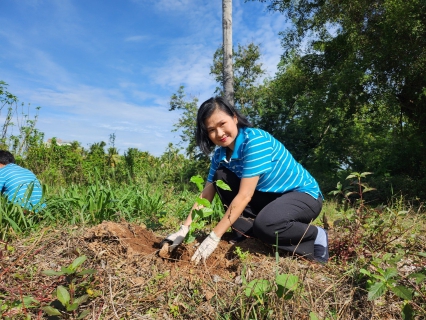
x,y
19,185
272,198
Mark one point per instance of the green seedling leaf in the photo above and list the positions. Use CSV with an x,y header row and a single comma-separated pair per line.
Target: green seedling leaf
x,y
350,193
196,214
83,314
206,212
222,185
364,174
199,181
387,256
407,312
72,307
376,290
422,254
77,262
51,311
190,239
81,299
66,270
28,301
403,292
257,287
390,273
288,281
287,284
87,271
53,273
203,202
352,175
63,295
418,277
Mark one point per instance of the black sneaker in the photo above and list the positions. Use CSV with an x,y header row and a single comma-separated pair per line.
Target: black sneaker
x,y
321,252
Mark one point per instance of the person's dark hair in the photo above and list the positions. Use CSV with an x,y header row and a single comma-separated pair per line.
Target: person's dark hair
x,y
6,157
205,111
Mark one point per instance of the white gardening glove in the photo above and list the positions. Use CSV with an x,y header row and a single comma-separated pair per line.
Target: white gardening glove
x,y
176,238
206,248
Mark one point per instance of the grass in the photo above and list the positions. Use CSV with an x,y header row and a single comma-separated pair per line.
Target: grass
x,y
377,266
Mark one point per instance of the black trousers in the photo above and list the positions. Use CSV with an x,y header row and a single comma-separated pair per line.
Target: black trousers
x,y
271,217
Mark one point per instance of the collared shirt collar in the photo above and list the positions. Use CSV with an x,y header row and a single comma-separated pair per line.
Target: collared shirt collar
x,y
236,154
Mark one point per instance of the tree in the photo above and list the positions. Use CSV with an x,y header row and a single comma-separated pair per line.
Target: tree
x,y
361,67
228,76
377,48
27,133
187,122
247,72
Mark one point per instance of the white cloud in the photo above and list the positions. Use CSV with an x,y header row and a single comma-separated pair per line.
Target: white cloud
x,y
91,83
89,115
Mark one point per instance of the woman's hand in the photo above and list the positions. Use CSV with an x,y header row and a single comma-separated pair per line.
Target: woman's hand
x,y
176,238
206,248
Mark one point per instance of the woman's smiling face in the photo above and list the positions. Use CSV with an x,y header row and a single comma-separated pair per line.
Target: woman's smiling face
x,y
222,128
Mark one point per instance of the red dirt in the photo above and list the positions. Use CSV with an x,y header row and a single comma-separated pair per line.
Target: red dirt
x,y
138,242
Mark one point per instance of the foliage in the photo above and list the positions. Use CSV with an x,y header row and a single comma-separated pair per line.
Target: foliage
x,y
356,188
205,208
349,93
70,297
187,121
383,279
15,218
247,73
27,135
284,285
363,229
381,42
391,238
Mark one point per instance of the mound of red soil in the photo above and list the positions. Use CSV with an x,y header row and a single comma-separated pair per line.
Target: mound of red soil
x,y
137,241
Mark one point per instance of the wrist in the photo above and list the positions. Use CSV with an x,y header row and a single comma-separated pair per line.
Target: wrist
x,y
214,236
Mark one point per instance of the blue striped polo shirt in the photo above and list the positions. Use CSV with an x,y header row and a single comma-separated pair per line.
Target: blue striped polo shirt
x,y
14,183
258,153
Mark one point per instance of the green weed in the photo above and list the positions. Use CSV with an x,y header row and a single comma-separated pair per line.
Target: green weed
x,y
70,297
206,210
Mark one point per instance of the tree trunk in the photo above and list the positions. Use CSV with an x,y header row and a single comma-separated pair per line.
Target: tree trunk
x,y
228,73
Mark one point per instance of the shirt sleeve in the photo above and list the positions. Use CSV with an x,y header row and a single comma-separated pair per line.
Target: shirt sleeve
x,y
257,156
214,164
2,183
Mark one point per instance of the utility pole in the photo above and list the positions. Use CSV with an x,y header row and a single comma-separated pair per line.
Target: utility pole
x,y
228,72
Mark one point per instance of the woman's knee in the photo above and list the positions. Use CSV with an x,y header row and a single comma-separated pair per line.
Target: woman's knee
x,y
267,231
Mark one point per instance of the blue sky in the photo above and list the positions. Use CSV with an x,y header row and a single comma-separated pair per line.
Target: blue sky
x,y
97,67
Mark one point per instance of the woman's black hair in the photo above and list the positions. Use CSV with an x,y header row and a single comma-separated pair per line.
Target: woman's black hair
x,y
205,111
6,157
